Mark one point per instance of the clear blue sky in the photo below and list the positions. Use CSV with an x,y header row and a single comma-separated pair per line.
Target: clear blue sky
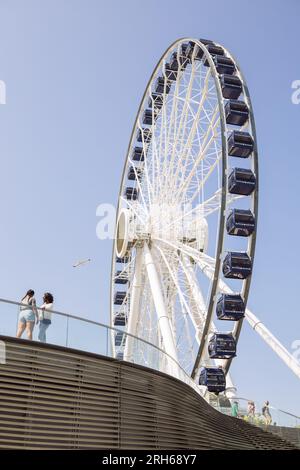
x,y
75,71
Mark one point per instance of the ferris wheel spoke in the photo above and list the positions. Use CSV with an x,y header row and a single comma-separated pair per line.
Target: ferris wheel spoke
x,y
174,278
144,323
205,137
174,109
197,125
179,131
133,206
186,116
155,166
162,151
197,310
213,204
196,296
201,311
205,263
160,138
204,209
202,123
187,140
184,249
182,331
196,291
206,176
165,144
184,184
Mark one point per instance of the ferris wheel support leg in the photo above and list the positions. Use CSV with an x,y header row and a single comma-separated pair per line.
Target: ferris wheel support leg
x,y
273,342
201,307
261,329
163,318
268,337
134,305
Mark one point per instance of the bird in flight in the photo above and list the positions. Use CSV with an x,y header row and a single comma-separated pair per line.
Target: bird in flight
x,y
81,262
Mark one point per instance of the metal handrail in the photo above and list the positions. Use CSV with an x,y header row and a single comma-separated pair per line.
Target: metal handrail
x,y
270,406
256,403
103,325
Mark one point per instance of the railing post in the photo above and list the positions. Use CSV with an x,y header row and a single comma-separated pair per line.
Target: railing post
x,y
17,323
106,341
67,333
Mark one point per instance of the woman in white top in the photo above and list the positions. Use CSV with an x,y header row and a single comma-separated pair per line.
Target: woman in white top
x,y
45,316
28,314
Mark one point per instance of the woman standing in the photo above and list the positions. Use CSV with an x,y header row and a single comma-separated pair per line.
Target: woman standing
x,y
28,314
251,410
235,409
266,413
45,316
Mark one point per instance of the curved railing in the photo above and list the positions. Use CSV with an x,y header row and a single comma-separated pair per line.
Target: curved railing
x,y
278,417
76,332
80,333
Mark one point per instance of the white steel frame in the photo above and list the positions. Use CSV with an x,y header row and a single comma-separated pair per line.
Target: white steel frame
x,y
173,286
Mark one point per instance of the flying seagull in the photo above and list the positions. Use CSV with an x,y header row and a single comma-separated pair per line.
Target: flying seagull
x,y
81,262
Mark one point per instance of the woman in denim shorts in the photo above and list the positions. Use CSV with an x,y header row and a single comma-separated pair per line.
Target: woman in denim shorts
x,y
28,315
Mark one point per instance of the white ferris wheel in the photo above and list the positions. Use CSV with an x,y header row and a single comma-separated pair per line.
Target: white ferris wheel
x,y
187,216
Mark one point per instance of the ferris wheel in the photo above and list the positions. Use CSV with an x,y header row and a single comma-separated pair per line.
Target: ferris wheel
x,y
187,214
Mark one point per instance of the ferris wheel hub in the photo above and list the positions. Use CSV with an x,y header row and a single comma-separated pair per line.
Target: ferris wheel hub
x,y
160,224
130,232
122,238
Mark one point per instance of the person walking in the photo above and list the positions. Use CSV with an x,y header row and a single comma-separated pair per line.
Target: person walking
x,y
45,316
251,410
266,413
28,315
235,409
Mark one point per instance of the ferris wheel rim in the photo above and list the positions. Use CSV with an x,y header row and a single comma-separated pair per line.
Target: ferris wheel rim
x,y
221,225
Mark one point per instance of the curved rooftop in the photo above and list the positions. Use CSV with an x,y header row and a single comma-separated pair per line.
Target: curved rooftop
x,y
53,397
